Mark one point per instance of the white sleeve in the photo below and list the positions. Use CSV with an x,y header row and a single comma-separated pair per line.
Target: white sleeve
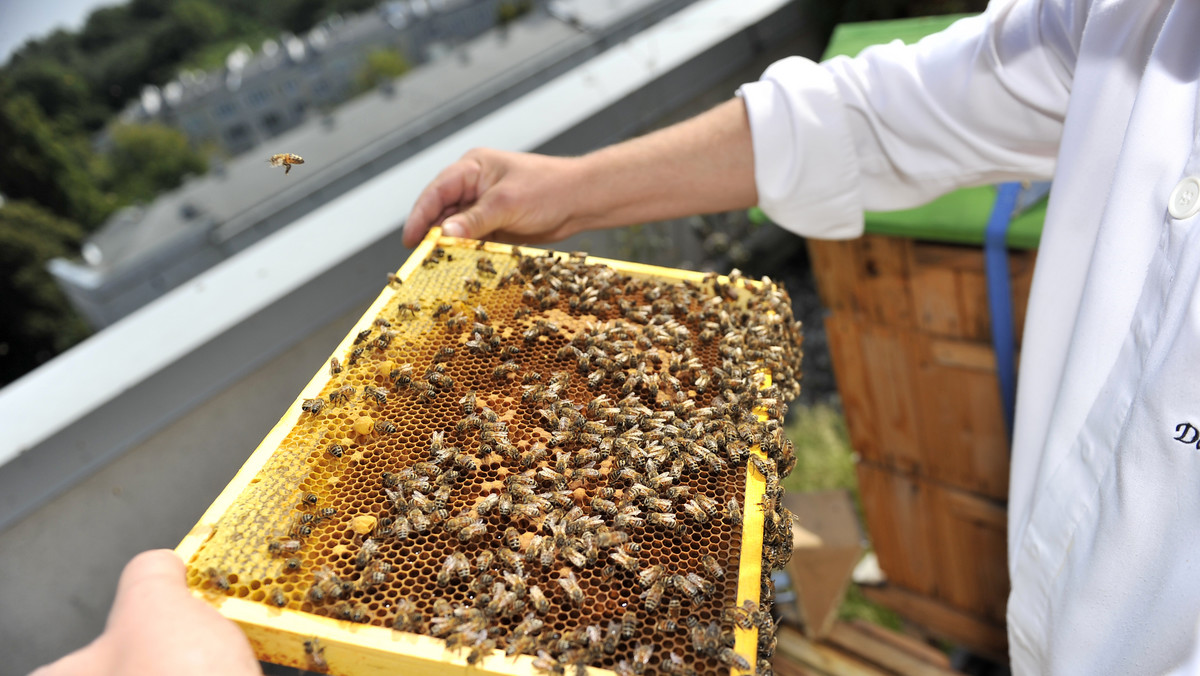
x,y
980,102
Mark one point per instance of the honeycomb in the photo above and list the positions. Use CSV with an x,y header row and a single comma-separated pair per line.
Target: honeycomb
x,y
533,453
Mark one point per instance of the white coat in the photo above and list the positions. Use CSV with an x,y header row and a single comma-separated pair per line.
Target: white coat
x,y
1102,97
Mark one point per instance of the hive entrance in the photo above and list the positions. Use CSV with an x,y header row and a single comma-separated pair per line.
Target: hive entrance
x,y
534,454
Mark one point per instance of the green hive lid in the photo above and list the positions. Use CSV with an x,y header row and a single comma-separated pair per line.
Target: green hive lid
x,y
961,216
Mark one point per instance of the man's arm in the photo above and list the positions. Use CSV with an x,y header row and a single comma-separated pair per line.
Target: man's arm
x,y
702,165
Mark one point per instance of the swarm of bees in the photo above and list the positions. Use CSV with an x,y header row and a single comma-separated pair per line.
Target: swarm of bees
x,y
557,439
285,160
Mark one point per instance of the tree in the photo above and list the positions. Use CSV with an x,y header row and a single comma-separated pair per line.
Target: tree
x,y
147,159
381,65
40,164
36,321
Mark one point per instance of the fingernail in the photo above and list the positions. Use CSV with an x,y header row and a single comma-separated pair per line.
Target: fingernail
x,y
453,229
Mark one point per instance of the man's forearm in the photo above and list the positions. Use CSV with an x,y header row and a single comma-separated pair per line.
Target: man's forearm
x,y
702,165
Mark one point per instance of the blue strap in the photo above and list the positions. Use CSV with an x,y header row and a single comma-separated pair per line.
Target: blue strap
x,y
995,252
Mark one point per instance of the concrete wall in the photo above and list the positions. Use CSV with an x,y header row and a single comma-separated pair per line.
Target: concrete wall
x,y
61,563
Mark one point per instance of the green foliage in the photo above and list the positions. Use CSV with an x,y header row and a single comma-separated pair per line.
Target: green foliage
x,y
825,461
511,10
39,164
148,159
36,321
381,65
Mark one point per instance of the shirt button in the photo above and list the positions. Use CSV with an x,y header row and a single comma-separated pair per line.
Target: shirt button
x,y
1185,198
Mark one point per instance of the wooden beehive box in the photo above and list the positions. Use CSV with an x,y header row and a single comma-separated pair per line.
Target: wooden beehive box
x,y
910,339
501,404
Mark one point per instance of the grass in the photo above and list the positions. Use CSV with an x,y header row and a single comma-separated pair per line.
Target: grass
x,y
825,461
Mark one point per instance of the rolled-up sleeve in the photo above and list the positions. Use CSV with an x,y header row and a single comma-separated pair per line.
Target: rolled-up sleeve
x,y
980,102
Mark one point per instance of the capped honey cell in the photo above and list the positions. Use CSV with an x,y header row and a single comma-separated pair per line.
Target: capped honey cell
x,y
566,458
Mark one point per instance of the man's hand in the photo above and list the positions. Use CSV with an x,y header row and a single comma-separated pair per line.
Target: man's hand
x,y
491,194
156,626
702,165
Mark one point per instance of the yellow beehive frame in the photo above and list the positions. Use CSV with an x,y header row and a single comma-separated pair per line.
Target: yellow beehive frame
x,y
278,634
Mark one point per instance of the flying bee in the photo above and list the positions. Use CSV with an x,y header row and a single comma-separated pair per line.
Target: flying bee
x,y
335,366
570,585
285,160
218,579
410,309
313,406
315,653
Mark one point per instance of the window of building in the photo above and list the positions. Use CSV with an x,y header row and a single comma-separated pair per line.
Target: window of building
x,y
226,110
259,97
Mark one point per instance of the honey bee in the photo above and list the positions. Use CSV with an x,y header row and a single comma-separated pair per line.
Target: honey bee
x,y
310,498
313,406
336,450
341,395
411,309
386,427
316,654
402,375
335,366
733,512
355,354
570,585
279,547
408,616
455,565
472,285
367,552
641,657
394,279
504,370
218,579
712,567
285,160
441,310
444,354
485,266
456,322
536,597
729,658
472,531
278,597
379,394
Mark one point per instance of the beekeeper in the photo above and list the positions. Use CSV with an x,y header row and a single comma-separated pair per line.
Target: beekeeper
x,y
1100,96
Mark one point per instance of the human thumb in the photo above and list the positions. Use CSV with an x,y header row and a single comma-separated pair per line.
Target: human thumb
x,y
470,223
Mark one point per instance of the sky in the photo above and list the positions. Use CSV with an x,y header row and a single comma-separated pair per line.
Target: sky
x,y
21,20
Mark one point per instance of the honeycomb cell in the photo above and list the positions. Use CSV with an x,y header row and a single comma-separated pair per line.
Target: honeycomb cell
x,y
569,381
